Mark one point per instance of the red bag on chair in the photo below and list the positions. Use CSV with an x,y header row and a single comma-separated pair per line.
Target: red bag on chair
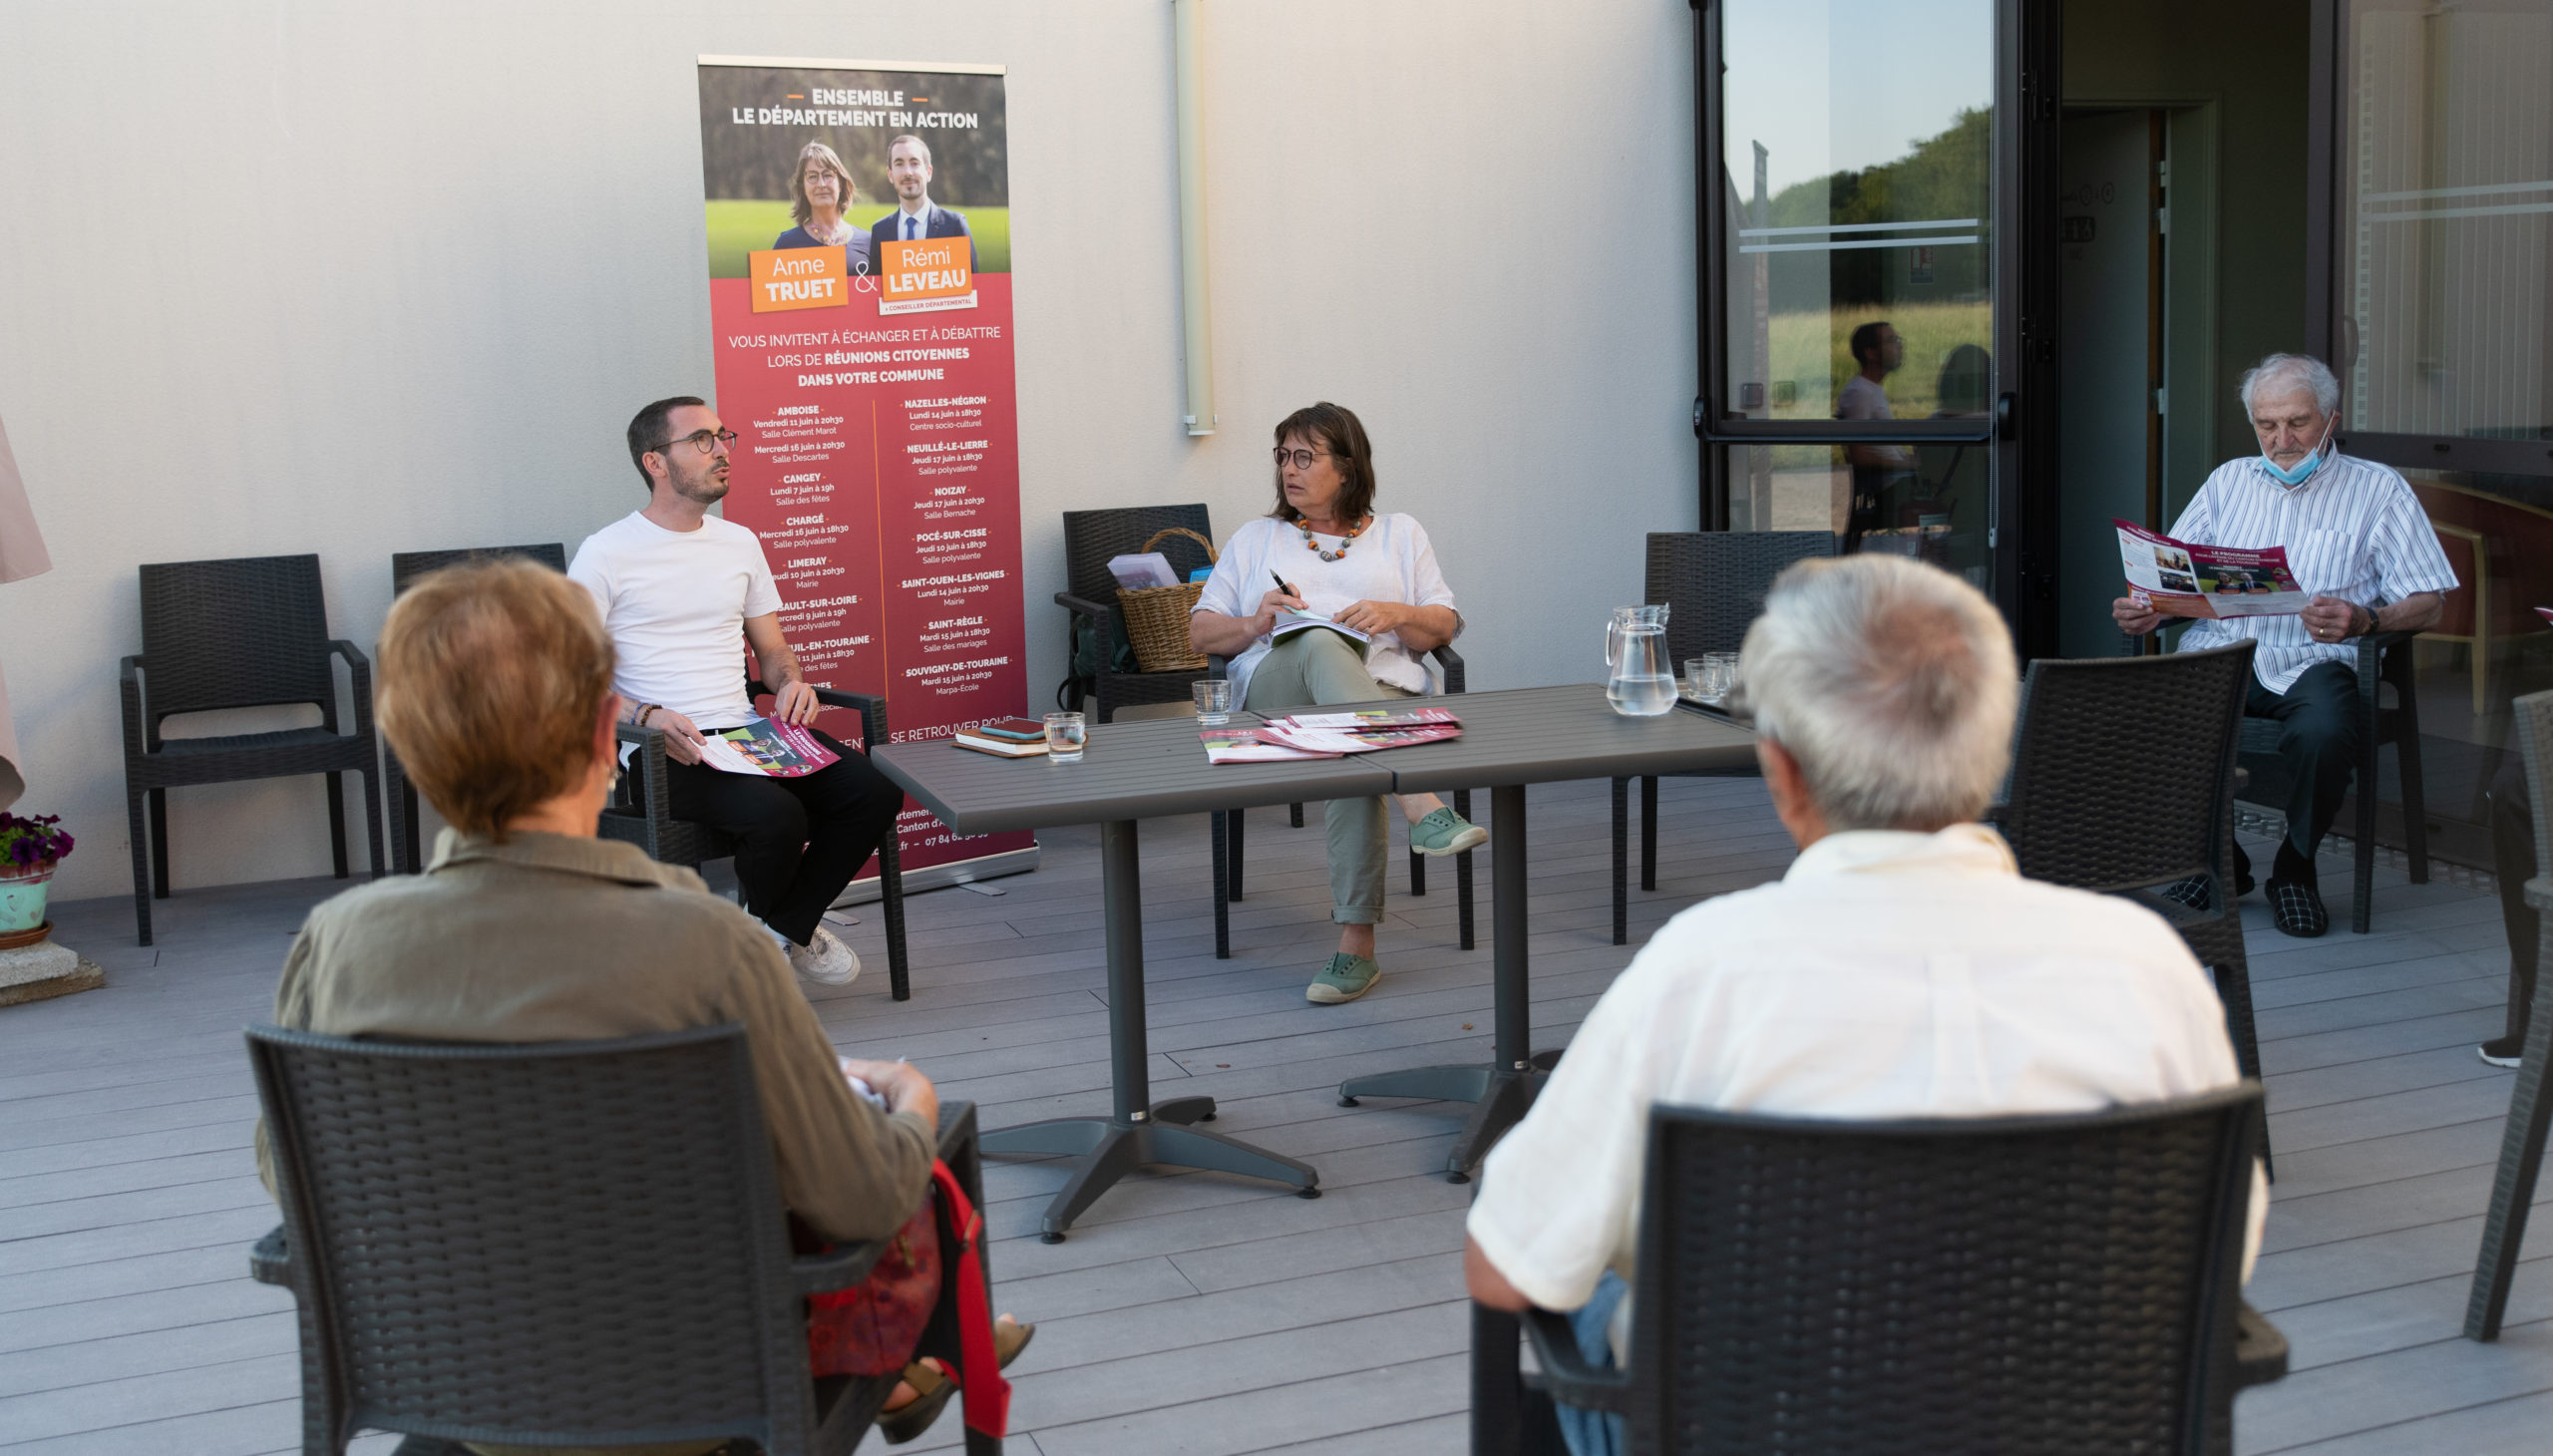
x,y
871,1327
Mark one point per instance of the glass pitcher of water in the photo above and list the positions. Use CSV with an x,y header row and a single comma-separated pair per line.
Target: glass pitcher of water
x,y
1625,617
1641,683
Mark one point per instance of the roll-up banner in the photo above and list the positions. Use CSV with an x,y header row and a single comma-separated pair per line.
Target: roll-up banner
x,y
858,222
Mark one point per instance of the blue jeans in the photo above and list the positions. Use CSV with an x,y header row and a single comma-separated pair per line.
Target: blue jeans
x,y
1595,1432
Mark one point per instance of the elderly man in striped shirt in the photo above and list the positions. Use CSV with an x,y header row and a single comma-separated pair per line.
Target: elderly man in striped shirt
x,y
2355,538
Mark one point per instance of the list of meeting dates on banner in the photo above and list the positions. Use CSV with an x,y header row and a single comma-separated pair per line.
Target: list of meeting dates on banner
x,y
878,463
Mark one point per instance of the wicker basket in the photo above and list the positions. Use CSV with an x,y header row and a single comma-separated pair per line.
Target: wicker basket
x,y
1156,618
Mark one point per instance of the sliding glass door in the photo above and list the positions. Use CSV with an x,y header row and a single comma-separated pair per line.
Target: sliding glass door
x,y
1864,311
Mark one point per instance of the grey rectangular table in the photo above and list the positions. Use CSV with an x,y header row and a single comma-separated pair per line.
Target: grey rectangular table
x,y
1511,739
1131,771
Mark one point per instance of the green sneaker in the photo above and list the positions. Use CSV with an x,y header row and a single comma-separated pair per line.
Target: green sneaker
x,y
1344,979
1443,832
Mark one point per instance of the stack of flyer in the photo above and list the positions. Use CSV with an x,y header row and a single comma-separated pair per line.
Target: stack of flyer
x,y
1330,735
2183,578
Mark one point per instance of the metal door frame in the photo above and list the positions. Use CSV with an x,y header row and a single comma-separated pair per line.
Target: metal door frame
x,y
2022,522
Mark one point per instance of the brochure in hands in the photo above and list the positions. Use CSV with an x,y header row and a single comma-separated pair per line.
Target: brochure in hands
x,y
1290,621
1330,735
2182,579
773,750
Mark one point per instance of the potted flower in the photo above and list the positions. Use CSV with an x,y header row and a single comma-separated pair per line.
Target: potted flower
x,y
29,850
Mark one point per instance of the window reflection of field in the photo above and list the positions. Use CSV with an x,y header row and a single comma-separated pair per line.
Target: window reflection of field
x,y
1809,487
1812,351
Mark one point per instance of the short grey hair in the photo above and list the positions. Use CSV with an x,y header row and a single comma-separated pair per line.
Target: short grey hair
x,y
1894,685
2281,372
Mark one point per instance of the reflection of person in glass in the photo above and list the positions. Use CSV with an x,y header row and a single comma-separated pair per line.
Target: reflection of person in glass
x,y
915,216
1954,476
819,196
1879,350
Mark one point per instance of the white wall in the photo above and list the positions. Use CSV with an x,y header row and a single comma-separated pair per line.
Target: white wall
x,y
367,277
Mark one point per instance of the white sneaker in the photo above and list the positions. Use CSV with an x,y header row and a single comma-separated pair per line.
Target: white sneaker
x,y
825,961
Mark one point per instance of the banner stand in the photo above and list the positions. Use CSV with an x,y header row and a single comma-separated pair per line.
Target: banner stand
x,y
857,221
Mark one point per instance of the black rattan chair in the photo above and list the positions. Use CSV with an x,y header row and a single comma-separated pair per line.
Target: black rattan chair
x,y
1953,1285
2530,1110
1090,539
2122,782
570,1243
405,567
642,814
1713,583
250,633
1224,827
2384,660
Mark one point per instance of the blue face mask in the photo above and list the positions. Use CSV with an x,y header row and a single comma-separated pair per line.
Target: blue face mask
x,y
2303,470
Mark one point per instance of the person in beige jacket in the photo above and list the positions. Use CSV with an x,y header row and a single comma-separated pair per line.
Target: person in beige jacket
x,y
496,690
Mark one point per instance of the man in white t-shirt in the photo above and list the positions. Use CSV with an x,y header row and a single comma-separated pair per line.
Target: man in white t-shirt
x,y
1879,350
1901,969
682,593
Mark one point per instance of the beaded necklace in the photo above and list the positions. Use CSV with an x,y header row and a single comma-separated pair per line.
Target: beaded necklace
x,y
1347,540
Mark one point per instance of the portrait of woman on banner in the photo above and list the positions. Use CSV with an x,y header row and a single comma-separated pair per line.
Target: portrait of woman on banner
x,y
820,193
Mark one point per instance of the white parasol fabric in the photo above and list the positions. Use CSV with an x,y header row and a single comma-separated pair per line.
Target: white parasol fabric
x,y
22,555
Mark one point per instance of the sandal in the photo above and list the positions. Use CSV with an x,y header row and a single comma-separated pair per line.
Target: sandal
x,y
933,1389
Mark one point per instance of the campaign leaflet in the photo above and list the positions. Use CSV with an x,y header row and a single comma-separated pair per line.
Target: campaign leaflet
x,y
1357,739
1252,745
1364,719
2183,578
774,750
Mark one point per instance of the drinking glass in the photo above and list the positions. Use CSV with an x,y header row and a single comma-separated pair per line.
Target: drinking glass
x,y
1213,697
1694,681
1719,676
1064,737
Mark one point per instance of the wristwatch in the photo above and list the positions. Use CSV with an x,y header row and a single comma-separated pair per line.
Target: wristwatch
x,y
2354,630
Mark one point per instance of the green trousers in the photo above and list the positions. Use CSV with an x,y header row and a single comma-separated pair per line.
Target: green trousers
x,y
1311,669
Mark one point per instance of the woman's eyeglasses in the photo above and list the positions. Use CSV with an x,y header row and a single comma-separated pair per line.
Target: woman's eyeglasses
x,y
704,440
1303,459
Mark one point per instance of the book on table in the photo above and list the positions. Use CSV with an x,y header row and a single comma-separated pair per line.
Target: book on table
x,y
1004,738
772,749
2186,579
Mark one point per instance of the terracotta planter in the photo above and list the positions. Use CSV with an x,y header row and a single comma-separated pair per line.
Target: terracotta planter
x,y
22,892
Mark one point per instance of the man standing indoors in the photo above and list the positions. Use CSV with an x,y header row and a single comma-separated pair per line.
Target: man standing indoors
x,y
916,218
682,593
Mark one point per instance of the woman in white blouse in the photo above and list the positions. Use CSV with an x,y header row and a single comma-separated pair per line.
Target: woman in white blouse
x,y
1335,555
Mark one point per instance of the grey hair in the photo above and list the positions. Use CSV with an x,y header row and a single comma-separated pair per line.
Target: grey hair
x,y
2289,370
1892,683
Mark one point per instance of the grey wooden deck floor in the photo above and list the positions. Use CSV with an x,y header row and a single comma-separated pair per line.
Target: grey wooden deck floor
x,y
1196,1313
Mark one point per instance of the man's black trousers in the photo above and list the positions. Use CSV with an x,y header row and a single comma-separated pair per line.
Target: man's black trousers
x,y
798,841
2320,732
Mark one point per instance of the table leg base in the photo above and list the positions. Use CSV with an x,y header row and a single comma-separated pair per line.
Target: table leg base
x,y
1108,1150
1500,1097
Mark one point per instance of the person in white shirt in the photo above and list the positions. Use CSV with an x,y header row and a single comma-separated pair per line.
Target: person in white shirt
x,y
1880,351
2357,538
1902,967
1325,550
682,593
